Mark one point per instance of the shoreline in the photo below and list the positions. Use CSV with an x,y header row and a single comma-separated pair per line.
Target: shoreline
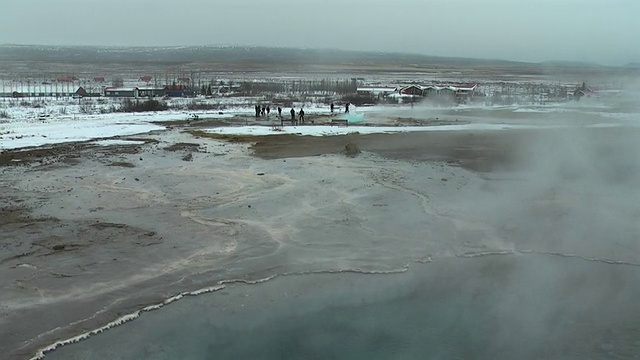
x,y
220,285
241,308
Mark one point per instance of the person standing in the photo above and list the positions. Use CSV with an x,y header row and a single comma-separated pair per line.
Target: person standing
x,y
293,116
301,115
268,110
332,106
346,108
257,111
279,112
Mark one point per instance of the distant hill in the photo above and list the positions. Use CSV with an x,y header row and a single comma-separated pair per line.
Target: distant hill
x,y
78,59
564,63
186,54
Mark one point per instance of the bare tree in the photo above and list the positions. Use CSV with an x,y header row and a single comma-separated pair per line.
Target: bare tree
x,y
117,82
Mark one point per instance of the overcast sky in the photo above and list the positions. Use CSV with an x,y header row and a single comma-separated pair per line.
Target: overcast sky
x,y
604,31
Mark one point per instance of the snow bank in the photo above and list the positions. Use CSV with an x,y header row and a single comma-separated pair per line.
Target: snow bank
x,y
33,134
28,127
111,142
326,130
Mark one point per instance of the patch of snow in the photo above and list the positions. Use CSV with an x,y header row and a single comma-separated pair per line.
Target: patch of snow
x,y
111,142
325,130
29,134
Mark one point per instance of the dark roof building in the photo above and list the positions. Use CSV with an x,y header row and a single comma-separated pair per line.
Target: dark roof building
x,y
121,92
177,91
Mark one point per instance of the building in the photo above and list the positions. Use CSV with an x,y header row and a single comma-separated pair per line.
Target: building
x,y
150,92
177,91
463,92
458,91
413,90
582,91
80,93
121,92
375,90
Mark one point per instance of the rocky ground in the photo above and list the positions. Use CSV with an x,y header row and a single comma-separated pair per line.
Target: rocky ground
x,y
89,233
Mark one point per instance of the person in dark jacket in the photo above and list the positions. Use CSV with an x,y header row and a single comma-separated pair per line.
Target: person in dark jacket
x,y
279,112
293,115
301,115
346,108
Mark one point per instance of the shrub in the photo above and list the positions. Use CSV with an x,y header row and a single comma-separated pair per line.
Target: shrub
x,y
87,108
4,115
198,106
149,105
359,100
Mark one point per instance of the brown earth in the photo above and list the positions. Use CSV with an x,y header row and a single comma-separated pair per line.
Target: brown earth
x,y
478,151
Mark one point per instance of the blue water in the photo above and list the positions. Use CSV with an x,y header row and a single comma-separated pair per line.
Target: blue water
x,y
354,118
497,307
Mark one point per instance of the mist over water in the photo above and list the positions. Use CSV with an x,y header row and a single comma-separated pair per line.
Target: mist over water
x,y
536,260
485,308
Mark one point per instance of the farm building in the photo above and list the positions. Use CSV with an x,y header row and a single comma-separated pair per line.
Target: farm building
x,y
45,90
150,92
136,92
121,92
177,91
458,91
225,89
414,90
583,90
375,90
81,92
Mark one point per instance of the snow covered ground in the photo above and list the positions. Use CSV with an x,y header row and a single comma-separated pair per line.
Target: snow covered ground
x,y
37,123
30,135
28,127
327,130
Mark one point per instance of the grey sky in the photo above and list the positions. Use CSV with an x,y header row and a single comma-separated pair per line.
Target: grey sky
x,y
604,31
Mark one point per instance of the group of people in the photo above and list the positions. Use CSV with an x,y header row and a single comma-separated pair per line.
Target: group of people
x,y
262,111
346,108
293,117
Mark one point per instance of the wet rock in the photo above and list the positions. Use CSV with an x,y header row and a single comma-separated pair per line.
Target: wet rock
x,y
122,164
188,157
351,150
